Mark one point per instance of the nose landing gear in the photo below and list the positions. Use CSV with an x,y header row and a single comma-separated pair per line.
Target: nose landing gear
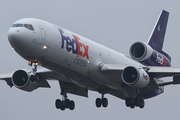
x,y
34,77
35,64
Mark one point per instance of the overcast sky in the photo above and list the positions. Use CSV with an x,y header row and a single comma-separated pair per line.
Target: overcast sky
x,y
116,24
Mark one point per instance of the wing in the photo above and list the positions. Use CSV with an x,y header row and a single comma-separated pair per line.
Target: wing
x,y
47,74
159,72
43,83
154,72
7,78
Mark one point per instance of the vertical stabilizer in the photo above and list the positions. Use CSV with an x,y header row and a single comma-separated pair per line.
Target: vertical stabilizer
x,y
156,38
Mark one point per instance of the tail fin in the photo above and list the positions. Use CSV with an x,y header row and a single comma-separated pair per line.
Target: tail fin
x,y
156,39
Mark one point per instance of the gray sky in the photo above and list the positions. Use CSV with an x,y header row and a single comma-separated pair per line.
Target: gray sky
x,y
116,24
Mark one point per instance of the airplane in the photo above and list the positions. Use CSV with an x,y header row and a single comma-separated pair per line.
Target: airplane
x,y
80,65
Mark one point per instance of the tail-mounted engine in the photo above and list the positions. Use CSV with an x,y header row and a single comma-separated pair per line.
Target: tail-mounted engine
x,y
135,77
25,80
143,53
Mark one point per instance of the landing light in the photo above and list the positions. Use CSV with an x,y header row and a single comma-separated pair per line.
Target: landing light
x,y
36,64
13,48
44,47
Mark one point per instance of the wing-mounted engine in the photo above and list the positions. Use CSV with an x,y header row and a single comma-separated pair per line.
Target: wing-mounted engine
x,y
143,53
135,77
25,80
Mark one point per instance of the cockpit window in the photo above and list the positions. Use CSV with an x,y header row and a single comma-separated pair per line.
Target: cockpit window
x,y
31,27
17,25
28,26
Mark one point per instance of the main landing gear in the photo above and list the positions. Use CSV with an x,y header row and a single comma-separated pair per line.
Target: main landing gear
x,y
60,104
101,101
138,102
65,102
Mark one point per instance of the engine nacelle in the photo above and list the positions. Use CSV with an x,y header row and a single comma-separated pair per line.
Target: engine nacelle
x,y
135,77
146,55
140,51
24,80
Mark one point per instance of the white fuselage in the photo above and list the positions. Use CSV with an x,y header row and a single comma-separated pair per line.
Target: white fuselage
x,y
71,55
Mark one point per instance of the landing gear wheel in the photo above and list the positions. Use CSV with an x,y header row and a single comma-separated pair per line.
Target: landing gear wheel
x,y
104,102
98,102
132,105
71,105
62,105
141,103
67,103
128,102
137,101
32,78
57,103
37,78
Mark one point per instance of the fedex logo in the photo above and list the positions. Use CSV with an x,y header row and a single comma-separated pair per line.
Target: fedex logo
x,y
161,60
73,44
145,77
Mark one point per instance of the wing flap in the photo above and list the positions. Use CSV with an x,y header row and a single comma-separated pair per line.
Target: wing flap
x,y
44,84
73,89
175,81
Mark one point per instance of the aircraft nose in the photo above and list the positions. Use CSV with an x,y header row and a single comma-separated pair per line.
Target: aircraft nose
x,y
13,36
